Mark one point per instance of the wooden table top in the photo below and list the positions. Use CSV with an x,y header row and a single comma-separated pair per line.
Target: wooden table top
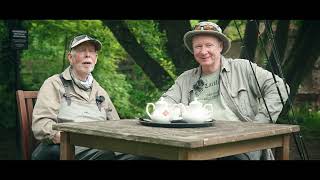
x,y
221,132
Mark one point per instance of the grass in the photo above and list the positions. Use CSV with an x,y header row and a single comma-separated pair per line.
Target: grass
x,y
307,118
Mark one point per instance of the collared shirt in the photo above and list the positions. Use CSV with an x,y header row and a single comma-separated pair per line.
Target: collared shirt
x,y
238,88
240,91
49,101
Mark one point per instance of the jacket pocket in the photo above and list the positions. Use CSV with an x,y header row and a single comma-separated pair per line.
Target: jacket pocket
x,y
241,98
236,93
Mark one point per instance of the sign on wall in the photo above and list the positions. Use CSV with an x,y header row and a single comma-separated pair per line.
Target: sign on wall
x,y
19,39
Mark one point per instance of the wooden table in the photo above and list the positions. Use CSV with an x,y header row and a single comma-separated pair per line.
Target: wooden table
x,y
129,136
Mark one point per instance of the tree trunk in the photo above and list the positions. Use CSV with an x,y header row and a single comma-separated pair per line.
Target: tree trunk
x,y
250,41
304,54
157,74
64,53
279,45
175,30
263,46
223,24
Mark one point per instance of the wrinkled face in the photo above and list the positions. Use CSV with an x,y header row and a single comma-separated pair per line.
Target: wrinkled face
x,y
83,58
206,49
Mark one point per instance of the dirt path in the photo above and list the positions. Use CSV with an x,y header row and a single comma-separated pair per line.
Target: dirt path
x,y
313,148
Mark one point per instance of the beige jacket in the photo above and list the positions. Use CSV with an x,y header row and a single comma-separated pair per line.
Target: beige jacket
x,y
49,101
239,89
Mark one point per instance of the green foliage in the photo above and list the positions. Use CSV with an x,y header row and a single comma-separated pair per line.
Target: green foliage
x,y
3,31
130,89
153,41
232,32
193,22
7,78
143,92
307,117
45,57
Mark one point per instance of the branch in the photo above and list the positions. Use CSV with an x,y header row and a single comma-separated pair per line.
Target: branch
x,y
152,68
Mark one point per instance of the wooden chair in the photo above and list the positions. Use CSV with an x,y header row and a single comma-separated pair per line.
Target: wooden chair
x,y
26,101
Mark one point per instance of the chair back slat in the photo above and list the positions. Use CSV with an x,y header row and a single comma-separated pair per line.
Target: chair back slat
x,y
29,110
26,101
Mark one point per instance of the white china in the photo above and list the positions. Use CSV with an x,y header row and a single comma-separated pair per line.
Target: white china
x,y
161,113
196,112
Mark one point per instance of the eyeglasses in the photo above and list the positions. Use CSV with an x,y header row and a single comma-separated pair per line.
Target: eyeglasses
x,y
207,26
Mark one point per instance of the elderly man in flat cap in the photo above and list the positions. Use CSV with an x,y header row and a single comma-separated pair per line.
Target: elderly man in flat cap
x,y
72,96
228,84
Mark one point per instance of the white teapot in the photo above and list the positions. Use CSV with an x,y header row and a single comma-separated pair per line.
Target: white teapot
x,y
161,113
196,112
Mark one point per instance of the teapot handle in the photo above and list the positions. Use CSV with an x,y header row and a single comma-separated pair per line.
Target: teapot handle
x,y
147,108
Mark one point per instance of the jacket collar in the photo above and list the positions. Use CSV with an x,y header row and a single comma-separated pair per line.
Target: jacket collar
x,y
66,74
224,64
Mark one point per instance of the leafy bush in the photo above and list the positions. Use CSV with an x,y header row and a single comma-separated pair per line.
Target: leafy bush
x,y
46,56
306,117
129,92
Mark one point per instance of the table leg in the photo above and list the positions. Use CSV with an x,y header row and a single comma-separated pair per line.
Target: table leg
x,y
66,149
282,153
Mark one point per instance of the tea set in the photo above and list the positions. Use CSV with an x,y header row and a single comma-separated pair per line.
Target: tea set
x,y
164,112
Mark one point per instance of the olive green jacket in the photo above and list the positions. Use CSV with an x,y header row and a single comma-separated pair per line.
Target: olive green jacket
x,y
50,99
239,90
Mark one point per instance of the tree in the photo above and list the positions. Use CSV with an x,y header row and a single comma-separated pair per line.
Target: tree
x,y
279,44
175,30
223,24
250,41
157,74
303,55
46,56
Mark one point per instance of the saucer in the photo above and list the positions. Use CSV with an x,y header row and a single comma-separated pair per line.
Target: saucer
x,y
195,121
177,119
176,124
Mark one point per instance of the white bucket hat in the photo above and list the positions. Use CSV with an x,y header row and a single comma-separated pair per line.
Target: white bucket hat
x,y
83,38
209,28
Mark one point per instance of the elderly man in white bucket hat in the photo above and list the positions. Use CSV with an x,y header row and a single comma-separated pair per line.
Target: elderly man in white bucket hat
x,y
228,84
208,28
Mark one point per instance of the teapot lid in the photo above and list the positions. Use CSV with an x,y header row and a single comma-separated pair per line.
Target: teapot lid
x,y
161,102
195,102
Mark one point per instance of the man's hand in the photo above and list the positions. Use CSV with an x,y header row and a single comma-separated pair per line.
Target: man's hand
x,y
56,138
